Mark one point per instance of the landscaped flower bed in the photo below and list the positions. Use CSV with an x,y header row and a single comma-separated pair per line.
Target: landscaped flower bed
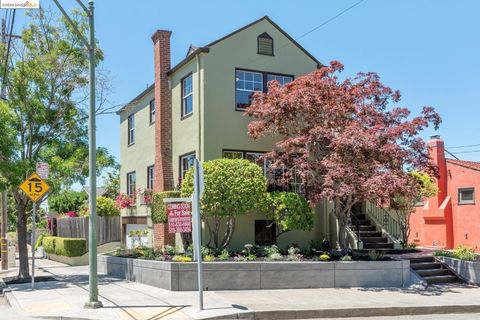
x,y
315,252
256,268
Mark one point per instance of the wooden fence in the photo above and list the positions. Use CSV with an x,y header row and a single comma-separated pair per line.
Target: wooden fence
x,y
108,228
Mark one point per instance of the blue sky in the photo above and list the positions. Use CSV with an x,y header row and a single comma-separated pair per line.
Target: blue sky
x,y
428,49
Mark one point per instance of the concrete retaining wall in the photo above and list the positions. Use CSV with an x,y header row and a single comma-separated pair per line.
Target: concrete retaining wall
x,y
177,276
468,270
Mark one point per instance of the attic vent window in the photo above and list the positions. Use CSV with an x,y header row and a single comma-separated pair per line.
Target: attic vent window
x,y
265,44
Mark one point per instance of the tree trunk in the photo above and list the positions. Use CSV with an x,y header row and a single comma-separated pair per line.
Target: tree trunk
x,y
23,271
229,232
342,240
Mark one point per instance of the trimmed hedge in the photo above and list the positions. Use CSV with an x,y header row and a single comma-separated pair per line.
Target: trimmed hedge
x,y
49,244
68,247
159,215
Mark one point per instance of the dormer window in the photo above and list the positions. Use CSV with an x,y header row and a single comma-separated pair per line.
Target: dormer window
x,y
265,44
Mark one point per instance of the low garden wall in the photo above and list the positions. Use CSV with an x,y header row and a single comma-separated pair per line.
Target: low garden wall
x,y
468,270
178,276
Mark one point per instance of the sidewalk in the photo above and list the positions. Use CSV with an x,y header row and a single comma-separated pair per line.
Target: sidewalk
x,y
130,300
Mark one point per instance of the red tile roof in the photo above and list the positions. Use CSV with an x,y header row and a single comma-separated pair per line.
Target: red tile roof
x,y
467,164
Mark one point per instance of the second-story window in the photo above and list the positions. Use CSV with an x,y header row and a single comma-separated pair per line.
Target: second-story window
x,y
152,111
246,83
187,96
150,177
282,80
131,183
131,129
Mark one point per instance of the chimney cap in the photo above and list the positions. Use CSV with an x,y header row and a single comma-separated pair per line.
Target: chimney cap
x,y
436,136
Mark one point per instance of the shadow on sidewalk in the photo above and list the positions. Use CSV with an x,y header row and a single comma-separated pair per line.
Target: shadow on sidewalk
x,y
432,290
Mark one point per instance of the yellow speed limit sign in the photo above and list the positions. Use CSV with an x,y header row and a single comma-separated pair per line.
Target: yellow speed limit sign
x,y
34,187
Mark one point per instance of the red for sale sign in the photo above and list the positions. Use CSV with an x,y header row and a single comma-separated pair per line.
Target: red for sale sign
x,y
179,217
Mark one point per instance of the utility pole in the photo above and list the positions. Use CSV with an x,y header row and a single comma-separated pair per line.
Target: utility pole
x,y
93,302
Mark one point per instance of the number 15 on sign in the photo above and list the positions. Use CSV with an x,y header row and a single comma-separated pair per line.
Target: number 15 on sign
x,y
34,187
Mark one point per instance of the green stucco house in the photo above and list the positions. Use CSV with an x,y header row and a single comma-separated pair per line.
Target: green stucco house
x,y
195,109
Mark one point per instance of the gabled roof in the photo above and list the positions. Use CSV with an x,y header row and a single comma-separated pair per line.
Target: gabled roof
x,y
135,100
192,54
466,164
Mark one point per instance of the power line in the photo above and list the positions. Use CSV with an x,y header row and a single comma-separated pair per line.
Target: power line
x,y
329,20
469,146
314,28
470,151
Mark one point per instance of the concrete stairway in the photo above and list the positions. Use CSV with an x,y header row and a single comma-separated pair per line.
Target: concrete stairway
x,y
368,234
432,271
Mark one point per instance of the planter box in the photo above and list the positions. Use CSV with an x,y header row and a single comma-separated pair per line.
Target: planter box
x,y
468,270
178,276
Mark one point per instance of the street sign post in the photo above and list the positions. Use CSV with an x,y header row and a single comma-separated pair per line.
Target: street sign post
x,y
35,188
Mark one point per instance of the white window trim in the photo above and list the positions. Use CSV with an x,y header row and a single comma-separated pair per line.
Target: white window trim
x,y
184,97
462,202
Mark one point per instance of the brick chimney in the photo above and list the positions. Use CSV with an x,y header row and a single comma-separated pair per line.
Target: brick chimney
x,y
436,148
163,130
163,121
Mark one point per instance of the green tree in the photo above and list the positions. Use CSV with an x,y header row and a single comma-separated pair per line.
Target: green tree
x,y
289,211
67,200
232,187
44,117
111,184
404,206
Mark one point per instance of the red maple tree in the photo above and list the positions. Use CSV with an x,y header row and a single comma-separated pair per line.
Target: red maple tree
x,y
342,138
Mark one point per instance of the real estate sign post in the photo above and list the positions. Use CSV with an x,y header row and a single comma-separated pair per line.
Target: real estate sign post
x,y
197,227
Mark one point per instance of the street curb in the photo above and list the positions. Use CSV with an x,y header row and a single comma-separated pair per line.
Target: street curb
x,y
3,287
350,312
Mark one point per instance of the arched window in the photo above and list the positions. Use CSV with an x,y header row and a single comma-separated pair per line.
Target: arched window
x,y
265,44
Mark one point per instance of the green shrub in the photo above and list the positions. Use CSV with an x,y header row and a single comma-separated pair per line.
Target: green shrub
x,y
289,211
49,244
232,188
224,255
106,207
39,241
464,253
159,214
70,247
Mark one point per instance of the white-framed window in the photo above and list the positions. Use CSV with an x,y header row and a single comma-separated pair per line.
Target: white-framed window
x,y
466,196
246,83
131,129
282,79
131,183
150,176
187,96
186,161
152,111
